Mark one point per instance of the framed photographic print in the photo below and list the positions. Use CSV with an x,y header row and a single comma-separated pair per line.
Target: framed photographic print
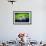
x,y
22,17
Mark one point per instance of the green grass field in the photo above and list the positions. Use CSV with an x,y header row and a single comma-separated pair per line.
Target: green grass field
x,y
22,15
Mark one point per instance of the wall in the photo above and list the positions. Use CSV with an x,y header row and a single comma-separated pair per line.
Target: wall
x,y
9,31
